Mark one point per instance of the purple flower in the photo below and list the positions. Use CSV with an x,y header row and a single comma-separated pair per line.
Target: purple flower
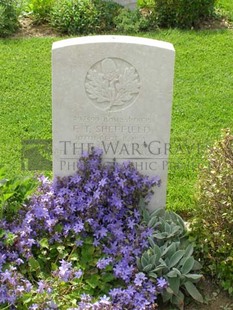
x,y
104,262
65,271
78,227
98,205
41,287
78,274
139,278
34,307
162,283
79,242
6,275
102,232
103,182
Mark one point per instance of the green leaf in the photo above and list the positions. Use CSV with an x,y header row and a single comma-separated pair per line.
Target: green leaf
x,y
174,284
151,241
153,275
87,251
193,276
154,260
188,265
146,215
167,295
160,236
167,228
176,257
152,222
60,248
148,268
159,268
7,196
158,212
189,250
10,238
108,277
144,261
197,265
27,298
157,251
193,291
35,266
54,267
178,300
170,250
174,231
93,280
177,271
172,274
44,243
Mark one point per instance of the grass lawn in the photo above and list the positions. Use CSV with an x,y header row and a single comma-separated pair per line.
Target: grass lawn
x,y
202,105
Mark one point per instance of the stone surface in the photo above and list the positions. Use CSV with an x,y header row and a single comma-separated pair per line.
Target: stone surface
x,y
130,4
114,92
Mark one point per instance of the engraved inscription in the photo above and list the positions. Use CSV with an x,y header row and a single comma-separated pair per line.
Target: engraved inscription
x,y
112,84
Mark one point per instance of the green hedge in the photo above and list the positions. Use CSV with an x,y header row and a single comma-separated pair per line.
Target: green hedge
x,y
183,13
8,17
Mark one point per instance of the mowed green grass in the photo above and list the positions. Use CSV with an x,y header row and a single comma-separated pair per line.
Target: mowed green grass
x,y
202,105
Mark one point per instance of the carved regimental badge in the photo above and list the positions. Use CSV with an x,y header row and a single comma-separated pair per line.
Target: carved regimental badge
x,y
112,84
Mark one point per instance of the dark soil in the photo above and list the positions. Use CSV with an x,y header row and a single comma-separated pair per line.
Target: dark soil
x,y
30,29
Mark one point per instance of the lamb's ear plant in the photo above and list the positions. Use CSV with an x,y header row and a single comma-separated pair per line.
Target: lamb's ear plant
x,y
170,256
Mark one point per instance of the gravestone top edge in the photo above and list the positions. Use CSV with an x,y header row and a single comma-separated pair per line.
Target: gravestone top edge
x,y
118,39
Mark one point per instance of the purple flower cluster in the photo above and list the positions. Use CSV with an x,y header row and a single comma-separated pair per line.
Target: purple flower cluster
x,y
99,200
12,285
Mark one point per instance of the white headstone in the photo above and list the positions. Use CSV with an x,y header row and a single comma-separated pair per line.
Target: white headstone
x,y
129,4
113,92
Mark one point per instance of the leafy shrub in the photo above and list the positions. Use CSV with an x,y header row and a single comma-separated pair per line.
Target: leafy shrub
x,y
9,23
13,193
170,257
80,236
183,13
213,216
107,11
40,10
134,21
83,16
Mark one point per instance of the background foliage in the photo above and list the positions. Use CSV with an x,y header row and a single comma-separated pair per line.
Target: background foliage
x,y
83,17
183,13
213,214
8,17
75,17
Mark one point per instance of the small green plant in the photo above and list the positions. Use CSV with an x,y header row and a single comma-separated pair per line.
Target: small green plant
x,y
84,16
13,193
107,11
74,17
9,14
134,21
170,256
213,215
183,13
40,10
